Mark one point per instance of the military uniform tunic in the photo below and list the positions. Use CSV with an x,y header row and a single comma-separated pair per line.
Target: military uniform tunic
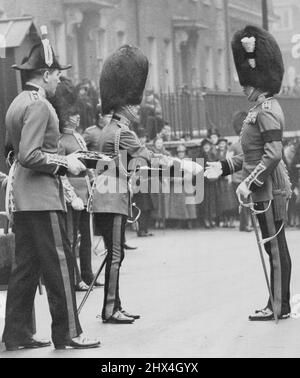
x,y
42,245
266,176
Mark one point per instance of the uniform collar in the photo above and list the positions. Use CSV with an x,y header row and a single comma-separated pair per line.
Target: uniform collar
x,y
34,87
68,130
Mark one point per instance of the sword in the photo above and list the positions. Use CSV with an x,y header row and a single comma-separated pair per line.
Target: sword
x,y
261,243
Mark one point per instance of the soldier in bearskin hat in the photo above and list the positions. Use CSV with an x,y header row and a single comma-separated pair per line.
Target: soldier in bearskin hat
x,y
122,84
260,68
42,246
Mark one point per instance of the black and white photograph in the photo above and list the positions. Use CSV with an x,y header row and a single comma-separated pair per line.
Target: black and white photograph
x,y
149,182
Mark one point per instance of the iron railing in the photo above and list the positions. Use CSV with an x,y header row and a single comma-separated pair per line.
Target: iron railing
x,y
192,114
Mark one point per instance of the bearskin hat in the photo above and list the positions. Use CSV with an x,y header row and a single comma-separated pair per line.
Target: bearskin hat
x,y
258,59
65,100
123,78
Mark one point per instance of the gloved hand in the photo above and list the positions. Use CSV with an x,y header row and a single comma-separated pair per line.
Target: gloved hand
x,y
75,166
243,192
78,204
213,170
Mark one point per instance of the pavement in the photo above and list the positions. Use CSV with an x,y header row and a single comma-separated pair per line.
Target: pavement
x,y
194,290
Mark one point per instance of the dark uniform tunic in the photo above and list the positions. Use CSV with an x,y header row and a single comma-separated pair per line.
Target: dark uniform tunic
x,y
266,176
112,208
42,245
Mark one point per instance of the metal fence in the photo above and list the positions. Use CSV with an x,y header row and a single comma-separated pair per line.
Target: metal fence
x,y
191,114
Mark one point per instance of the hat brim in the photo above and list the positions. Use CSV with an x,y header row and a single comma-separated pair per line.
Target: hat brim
x,y
27,67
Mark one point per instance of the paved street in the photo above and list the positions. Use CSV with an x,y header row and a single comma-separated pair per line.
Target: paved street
x,y
195,290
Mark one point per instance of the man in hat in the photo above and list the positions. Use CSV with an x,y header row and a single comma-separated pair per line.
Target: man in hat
x,y
259,64
42,246
122,84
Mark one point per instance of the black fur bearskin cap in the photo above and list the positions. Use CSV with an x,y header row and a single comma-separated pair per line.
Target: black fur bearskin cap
x,y
123,79
258,59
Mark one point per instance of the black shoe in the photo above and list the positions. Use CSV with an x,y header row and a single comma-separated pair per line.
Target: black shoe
x,y
246,229
28,344
135,317
79,343
81,287
129,248
143,234
99,284
119,318
266,315
207,225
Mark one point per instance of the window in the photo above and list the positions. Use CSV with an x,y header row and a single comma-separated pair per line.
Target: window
x,y
101,47
209,74
221,82
153,64
168,66
286,19
121,38
59,41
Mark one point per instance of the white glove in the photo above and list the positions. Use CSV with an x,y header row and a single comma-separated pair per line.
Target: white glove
x,y
190,167
243,193
75,166
78,204
166,161
213,170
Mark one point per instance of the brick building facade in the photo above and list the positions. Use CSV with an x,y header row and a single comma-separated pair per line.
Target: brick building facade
x,y
287,32
186,40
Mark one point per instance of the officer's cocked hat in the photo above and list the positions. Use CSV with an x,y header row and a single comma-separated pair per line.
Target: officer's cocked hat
x,y
123,78
258,59
41,57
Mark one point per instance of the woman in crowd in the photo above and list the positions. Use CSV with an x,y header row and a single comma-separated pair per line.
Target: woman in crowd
x,y
208,211
178,204
159,199
227,197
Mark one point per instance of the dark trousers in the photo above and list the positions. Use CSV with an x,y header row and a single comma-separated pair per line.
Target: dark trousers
x,y
280,260
112,228
144,220
42,247
81,224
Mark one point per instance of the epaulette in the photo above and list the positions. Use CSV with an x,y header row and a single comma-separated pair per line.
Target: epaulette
x,y
267,105
123,125
34,95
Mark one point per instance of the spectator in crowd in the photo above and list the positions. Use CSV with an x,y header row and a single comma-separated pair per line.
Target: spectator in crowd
x,y
295,91
237,178
228,199
214,136
152,100
166,133
85,106
178,208
150,121
207,211
159,199
143,200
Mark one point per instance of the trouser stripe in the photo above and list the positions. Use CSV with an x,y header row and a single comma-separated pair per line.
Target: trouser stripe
x,y
64,272
113,274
